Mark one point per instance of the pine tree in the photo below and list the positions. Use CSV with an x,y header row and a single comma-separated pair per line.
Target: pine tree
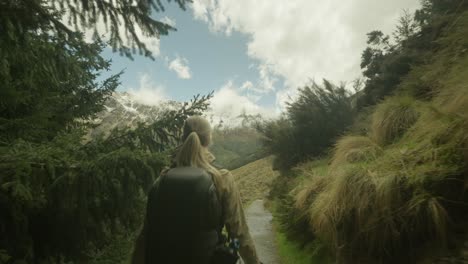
x,y
384,62
121,18
49,72
61,197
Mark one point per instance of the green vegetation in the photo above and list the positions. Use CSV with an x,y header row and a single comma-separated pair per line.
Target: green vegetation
x,y
63,200
394,187
350,149
70,198
122,20
235,147
392,118
292,193
117,251
295,137
290,252
386,62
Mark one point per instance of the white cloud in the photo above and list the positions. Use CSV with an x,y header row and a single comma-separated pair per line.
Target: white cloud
x,y
265,84
167,20
180,66
267,78
303,39
251,91
247,85
228,103
148,92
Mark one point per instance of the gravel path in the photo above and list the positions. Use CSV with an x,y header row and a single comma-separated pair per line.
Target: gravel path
x,y
260,226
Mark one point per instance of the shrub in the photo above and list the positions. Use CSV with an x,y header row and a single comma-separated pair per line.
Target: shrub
x,y
279,139
319,116
313,121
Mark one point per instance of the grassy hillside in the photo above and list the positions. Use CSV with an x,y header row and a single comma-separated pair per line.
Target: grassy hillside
x,y
254,179
235,147
398,193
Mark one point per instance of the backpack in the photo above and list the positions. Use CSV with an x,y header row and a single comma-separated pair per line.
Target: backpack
x,y
184,218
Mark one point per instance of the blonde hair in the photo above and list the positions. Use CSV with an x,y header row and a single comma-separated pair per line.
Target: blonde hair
x,y
194,152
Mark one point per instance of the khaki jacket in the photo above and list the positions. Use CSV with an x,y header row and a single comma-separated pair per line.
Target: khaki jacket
x,y
234,219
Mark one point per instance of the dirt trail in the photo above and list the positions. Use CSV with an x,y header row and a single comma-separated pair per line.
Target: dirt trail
x,y
254,180
260,225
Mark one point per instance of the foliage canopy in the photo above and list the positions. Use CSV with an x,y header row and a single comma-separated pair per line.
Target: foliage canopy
x,y
62,197
312,122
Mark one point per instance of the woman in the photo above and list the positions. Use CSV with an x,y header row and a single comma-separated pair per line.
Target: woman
x,y
194,153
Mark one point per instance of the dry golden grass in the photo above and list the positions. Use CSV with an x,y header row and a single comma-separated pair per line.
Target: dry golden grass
x,y
254,179
351,149
392,118
455,99
311,180
305,197
375,214
398,203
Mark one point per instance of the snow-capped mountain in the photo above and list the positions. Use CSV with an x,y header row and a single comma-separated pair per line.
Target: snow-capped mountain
x,y
125,110
122,110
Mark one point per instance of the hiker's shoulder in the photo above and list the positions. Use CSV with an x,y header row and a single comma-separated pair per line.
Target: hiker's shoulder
x,y
221,176
227,178
225,173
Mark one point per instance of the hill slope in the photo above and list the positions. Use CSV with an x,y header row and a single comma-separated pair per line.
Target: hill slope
x,y
235,147
254,179
397,193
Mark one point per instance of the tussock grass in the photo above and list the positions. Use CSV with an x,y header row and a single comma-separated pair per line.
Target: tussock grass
x,y
297,219
305,196
376,216
292,212
392,118
401,194
314,180
351,149
398,204
391,207
455,99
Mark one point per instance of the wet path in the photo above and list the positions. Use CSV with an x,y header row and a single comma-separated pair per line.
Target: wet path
x,y
260,225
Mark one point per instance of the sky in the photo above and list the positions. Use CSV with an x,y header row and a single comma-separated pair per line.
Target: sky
x,y
254,55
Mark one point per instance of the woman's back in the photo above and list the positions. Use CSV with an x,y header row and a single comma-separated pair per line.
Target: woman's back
x,y
174,207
